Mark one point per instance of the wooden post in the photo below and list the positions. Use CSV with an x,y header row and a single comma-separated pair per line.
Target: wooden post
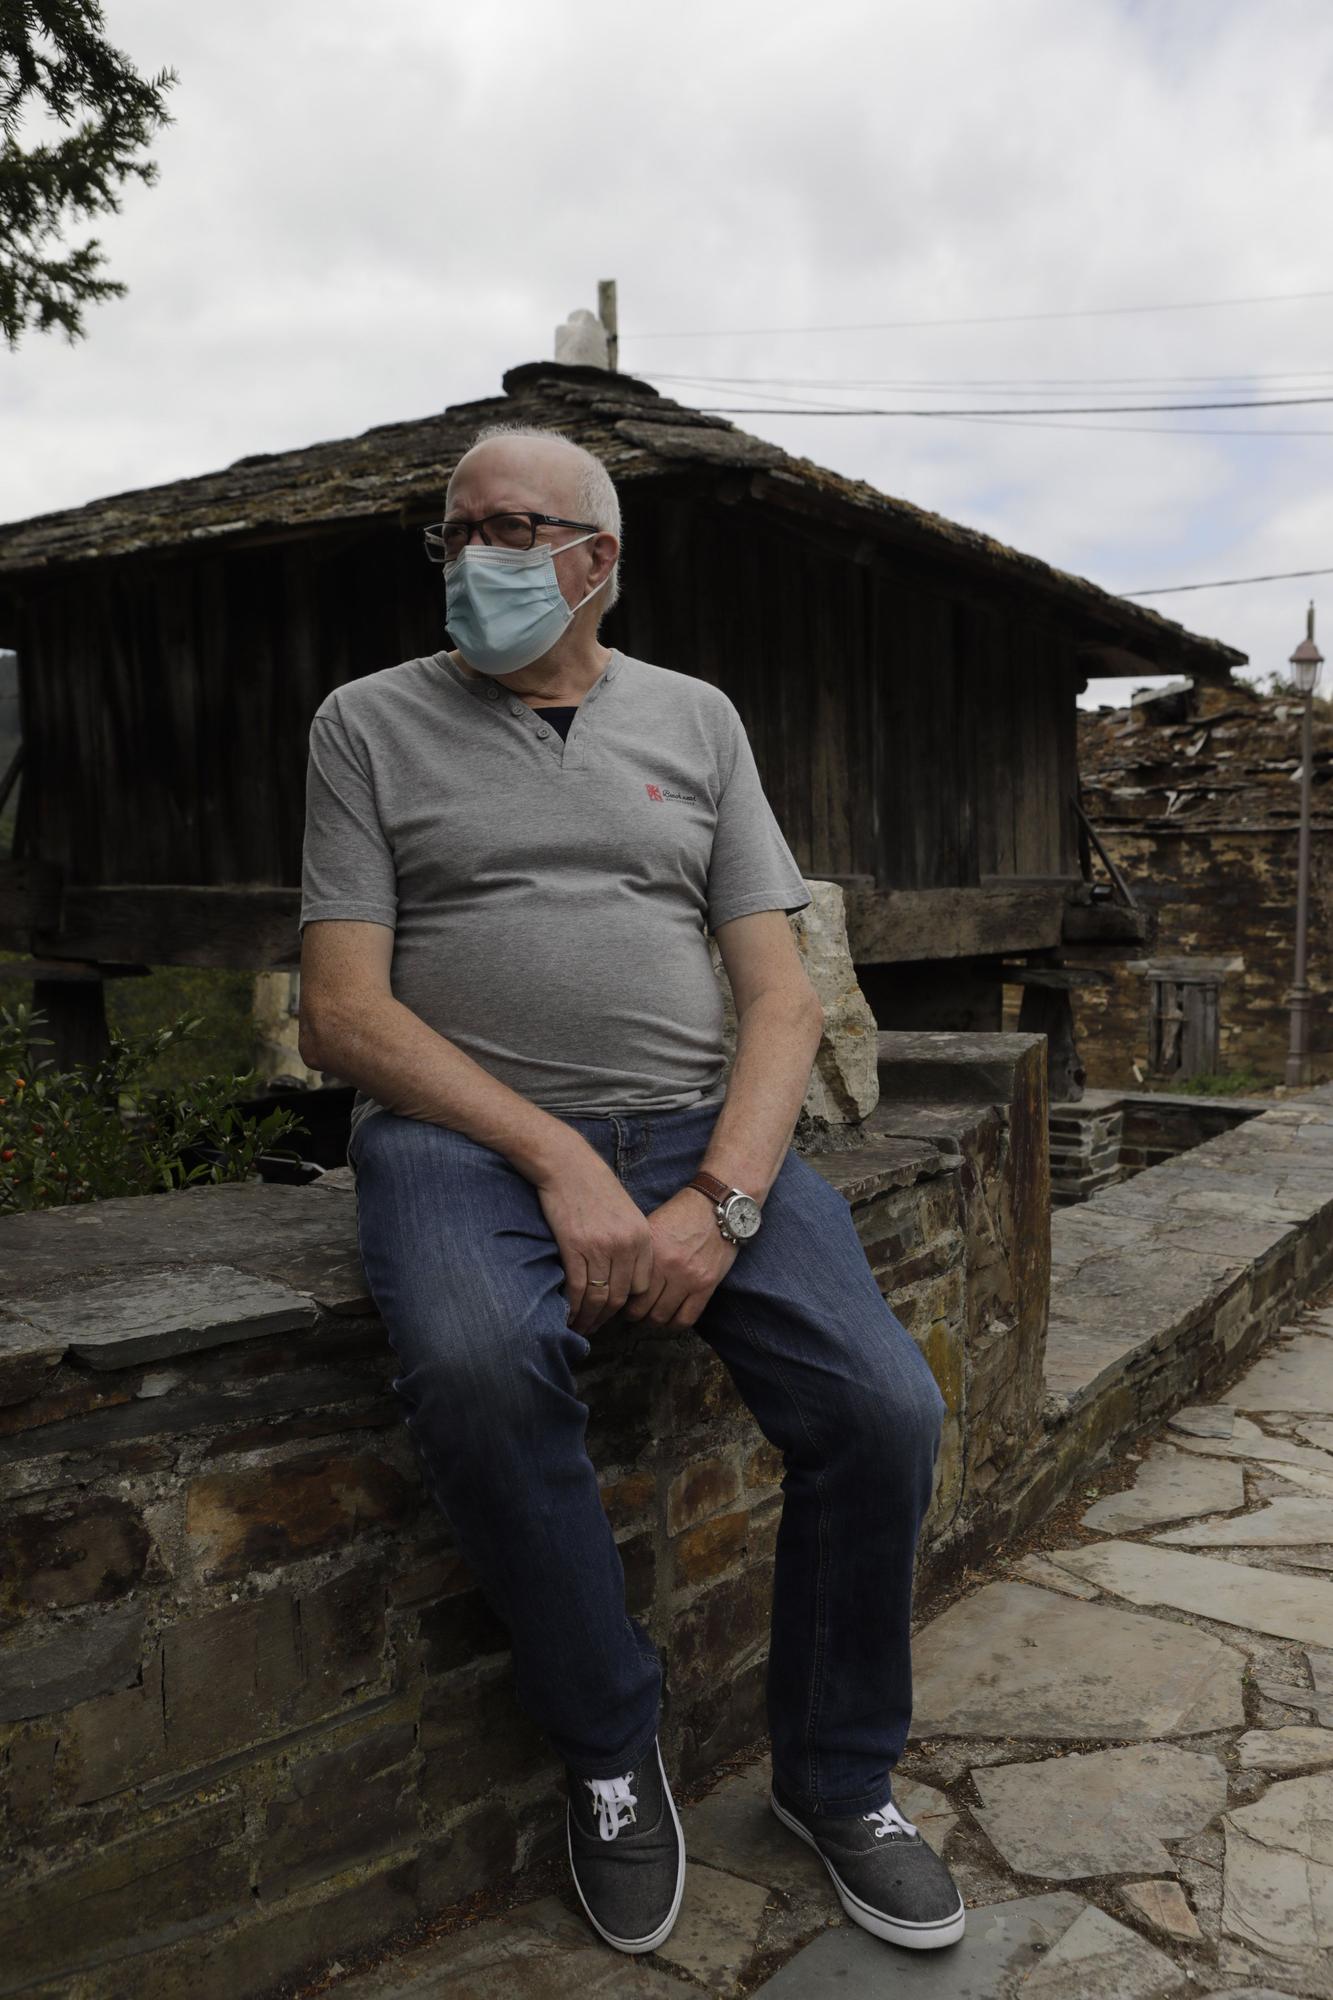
x,y
606,313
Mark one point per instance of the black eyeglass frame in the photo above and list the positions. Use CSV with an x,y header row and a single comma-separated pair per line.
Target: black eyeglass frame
x,y
434,535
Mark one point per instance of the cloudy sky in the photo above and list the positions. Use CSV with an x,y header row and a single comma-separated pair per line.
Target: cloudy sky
x,y
366,213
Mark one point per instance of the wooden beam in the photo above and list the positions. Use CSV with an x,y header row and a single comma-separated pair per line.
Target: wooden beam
x,y
29,894
245,927
893,925
1056,978
67,971
1105,923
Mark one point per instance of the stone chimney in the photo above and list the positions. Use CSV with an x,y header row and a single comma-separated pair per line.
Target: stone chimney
x,y
581,340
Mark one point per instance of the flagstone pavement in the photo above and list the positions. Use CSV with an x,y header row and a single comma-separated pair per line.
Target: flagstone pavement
x,y
1122,1746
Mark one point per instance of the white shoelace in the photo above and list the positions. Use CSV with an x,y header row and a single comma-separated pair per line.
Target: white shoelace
x,y
612,1797
890,1821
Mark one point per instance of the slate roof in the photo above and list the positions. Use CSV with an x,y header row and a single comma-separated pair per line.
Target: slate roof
x,y
400,470
1212,757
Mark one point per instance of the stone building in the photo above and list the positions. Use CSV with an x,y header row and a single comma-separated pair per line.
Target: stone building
x,y
1195,792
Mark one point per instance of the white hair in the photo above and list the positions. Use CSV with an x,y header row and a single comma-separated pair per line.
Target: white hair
x,y
597,501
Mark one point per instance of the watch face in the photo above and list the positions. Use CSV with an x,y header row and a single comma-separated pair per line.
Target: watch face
x,y
743,1216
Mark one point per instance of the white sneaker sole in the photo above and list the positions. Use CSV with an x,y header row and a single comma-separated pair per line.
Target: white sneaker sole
x,y
659,1936
917,1937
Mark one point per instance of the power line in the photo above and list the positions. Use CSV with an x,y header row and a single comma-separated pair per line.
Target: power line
x,y
1068,410
1225,583
1036,423
984,319
1034,385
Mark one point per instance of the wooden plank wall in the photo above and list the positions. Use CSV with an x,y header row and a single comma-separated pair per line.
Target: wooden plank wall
x,y
904,731
170,701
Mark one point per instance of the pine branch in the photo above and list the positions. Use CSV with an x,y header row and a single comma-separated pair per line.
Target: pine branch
x,y
54,53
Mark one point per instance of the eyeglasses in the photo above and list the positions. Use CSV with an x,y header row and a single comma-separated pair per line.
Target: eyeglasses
x,y
446,540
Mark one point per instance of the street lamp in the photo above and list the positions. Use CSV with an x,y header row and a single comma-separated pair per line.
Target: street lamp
x,y
1305,664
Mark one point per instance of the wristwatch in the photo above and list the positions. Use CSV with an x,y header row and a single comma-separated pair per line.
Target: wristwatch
x,y
738,1214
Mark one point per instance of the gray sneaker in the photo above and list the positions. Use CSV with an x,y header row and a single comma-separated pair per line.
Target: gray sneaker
x,y
627,1853
888,1880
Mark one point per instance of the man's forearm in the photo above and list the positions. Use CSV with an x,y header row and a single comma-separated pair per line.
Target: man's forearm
x,y
777,1039
390,1053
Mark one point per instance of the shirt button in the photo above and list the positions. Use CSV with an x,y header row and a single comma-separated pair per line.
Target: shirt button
x,y
516,708
492,694
543,731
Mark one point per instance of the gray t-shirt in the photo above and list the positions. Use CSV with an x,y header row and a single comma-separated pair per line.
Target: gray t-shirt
x,y
550,900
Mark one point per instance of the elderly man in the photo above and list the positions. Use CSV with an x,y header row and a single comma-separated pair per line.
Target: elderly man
x,y
515,852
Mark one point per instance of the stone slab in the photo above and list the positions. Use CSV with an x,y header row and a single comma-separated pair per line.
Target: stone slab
x,y
1002,1942
1319,1434
1013,1660
1205,1420
1303,1476
92,1655
1293,1748
1278,1883
1321,1669
1260,1600
717,1932
266,1228
1099,1959
27,1356
1296,1376
1163,1904
541,1951
1287,1695
1170,1486
1105,1812
1040,1569
1260,1450
1293,1523
735,1828
162,1310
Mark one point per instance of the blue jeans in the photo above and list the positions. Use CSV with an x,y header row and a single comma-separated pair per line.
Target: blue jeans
x,y
466,1276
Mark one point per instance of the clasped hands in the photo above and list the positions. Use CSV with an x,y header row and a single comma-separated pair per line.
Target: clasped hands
x,y
661,1268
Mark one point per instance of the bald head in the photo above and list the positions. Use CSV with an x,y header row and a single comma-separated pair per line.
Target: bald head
x,y
529,470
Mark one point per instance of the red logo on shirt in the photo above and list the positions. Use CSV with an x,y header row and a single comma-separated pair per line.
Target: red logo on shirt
x,y
654,792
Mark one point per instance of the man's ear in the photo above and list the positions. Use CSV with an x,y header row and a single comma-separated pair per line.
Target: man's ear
x,y
599,545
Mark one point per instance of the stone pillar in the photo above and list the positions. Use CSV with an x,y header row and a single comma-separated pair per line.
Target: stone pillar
x,y
277,1027
844,1079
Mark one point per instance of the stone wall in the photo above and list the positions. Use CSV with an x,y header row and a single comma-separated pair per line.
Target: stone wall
x,y
1216,895
254,1711
1194,790
1107,1136
1161,1287
1160,1124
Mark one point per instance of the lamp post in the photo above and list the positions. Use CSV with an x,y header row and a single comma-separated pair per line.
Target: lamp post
x,y
1305,664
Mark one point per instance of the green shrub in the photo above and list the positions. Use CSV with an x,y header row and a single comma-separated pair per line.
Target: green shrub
x,y
1224,1083
93,1131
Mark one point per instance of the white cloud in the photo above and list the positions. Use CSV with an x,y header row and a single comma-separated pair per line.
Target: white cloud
x,y
363,215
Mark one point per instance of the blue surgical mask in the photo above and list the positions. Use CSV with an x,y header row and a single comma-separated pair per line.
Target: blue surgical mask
x,y
504,607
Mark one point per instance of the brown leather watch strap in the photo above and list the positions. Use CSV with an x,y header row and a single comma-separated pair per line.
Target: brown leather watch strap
x,y
709,1184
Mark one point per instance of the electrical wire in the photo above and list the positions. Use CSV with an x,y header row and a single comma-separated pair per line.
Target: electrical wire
x,y
1040,385
982,319
1069,410
1225,583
